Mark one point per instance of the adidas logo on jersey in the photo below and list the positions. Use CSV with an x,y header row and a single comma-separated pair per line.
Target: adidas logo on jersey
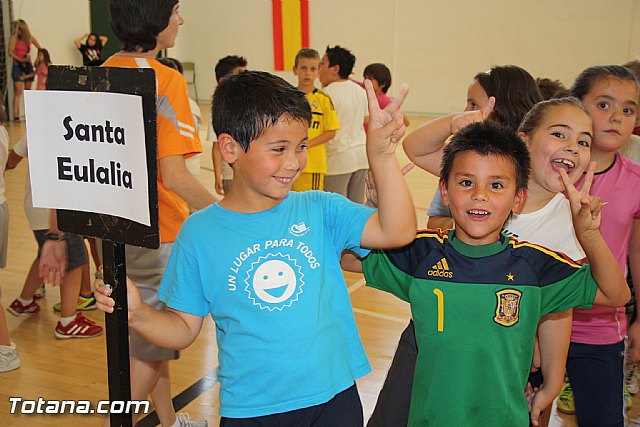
x,y
441,269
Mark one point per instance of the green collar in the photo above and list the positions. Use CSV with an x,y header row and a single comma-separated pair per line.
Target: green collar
x,y
481,251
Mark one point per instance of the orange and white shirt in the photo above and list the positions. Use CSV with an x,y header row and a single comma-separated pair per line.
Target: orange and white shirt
x,y
176,133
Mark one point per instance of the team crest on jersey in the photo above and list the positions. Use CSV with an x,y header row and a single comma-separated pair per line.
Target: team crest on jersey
x,y
508,307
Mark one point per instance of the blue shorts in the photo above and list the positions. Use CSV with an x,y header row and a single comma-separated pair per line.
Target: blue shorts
x,y
344,410
76,251
596,373
17,71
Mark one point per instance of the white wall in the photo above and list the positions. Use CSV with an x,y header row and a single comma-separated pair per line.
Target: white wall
x,y
436,46
56,24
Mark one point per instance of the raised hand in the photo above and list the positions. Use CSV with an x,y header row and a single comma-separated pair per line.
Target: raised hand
x,y
467,117
585,208
386,127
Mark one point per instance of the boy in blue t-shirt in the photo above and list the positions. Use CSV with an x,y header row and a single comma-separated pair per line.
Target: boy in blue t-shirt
x,y
264,262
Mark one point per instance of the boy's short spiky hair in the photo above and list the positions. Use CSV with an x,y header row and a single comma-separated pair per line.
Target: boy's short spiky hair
x,y
634,66
487,138
592,75
137,23
245,104
381,73
343,57
306,53
225,65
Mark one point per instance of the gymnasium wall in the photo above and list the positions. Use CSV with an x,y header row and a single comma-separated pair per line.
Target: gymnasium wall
x,y
436,46
56,24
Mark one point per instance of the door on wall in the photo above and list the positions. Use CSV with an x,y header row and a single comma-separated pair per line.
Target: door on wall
x,y
99,12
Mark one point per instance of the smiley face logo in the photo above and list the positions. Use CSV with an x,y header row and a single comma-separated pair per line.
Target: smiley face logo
x,y
274,284
274,281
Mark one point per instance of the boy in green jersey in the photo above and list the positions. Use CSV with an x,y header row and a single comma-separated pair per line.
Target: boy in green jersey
x,y
477,296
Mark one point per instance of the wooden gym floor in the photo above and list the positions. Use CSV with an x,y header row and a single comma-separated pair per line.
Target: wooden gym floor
x,y
76,369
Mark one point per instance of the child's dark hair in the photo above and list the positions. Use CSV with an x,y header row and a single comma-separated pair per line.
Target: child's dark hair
x,y
172,63
343,57
96,36
549,88
137,23
515,91
245,104
226,65
380,72
47,57
3,115
634,66
592,75
306,53
535,116
487,138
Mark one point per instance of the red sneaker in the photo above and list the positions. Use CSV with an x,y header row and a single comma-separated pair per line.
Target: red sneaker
x,y
16,308
80,327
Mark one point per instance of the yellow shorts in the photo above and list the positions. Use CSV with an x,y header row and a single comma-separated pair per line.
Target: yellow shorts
x,y
308,181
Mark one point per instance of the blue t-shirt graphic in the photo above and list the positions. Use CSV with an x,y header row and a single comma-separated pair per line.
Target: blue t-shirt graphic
x,y
272,282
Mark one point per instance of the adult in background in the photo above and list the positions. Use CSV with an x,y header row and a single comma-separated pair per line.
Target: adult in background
x,y
20,50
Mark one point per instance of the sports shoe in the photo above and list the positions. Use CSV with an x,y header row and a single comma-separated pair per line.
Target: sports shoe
x,y
628,399
631,378
80,327
9,359
565,399
39,293
16,308
84,304
185,421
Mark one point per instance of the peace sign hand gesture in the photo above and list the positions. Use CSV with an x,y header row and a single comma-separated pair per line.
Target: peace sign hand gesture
x,y
585,208
386,127
465,118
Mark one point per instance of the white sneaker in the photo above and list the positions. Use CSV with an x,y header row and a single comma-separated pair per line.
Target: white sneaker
x,y
631,378
185,421
39,293
9,359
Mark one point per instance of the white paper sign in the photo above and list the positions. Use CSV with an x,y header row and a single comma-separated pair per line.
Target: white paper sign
x,y
87,152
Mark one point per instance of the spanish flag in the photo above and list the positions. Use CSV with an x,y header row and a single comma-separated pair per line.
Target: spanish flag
x,y
290,31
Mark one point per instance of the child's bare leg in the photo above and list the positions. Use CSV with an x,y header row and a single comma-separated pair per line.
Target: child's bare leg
x,y
69,291
145,376
95,254
31,282
85,284
4,330
161,396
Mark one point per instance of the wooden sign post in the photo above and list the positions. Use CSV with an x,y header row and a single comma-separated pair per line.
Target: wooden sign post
x,y
111,217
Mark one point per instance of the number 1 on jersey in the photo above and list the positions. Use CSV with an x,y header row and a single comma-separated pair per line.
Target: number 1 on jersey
x,y
440,296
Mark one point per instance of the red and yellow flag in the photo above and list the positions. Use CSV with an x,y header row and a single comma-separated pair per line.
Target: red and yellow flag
x,y
290,31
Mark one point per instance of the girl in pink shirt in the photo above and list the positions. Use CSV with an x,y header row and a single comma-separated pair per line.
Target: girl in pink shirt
x,y
596,355
41,69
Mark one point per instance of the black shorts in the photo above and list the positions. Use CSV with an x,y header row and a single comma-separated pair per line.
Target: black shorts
x,y
344,410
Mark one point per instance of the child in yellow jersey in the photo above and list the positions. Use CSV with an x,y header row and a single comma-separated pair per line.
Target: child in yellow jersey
x,y
324,121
